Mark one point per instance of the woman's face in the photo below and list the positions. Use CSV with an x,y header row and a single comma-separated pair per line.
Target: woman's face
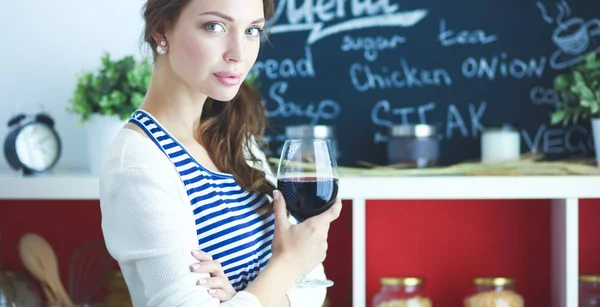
x,y
214,43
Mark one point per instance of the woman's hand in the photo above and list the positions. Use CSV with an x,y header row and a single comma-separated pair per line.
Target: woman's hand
x,y
218,284
303,246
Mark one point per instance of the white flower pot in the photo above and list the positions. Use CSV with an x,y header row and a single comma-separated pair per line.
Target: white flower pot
x,y
596,133
101,129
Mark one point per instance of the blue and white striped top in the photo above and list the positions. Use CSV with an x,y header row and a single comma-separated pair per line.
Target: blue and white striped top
x,y
229,226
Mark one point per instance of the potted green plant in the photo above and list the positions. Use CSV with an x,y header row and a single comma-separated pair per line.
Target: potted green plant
x,y
105,98
580,92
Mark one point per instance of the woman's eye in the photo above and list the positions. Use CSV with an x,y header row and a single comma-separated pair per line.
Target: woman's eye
x,y
254,31
214,27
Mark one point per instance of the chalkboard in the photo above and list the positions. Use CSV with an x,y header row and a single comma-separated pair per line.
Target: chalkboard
x,y
363,65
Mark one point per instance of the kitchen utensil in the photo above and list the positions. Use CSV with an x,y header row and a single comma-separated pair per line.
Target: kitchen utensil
x,y
90,269
39,259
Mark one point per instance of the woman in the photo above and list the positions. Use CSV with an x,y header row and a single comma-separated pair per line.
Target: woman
x,y
186,173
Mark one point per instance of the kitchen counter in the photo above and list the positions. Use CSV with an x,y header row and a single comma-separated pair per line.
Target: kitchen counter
x,y
564,193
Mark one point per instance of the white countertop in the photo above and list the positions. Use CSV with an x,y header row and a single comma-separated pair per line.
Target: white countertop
x,y
80,185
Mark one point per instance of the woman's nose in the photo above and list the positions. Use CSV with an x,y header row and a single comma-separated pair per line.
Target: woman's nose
x,y
234,52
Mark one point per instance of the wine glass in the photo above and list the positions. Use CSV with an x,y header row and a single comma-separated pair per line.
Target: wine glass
x,y
307,177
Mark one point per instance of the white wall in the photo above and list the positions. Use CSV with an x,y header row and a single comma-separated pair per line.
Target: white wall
x,y
44,44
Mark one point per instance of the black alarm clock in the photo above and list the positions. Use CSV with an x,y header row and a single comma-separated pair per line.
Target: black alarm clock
x,y
32,145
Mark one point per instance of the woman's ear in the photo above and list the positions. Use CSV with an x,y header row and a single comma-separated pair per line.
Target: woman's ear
x,y
161,43
158,37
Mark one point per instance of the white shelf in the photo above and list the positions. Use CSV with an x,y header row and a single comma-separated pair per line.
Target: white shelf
x,y
49,186
85,186
471,187
564,191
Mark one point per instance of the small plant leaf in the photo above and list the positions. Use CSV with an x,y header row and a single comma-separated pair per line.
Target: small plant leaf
x,y
562,83
558,116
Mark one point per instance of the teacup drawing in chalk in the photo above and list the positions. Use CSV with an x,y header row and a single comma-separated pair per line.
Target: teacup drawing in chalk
x,y
574,38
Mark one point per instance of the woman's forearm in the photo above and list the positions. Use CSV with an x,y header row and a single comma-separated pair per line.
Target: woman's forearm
x,y
272,284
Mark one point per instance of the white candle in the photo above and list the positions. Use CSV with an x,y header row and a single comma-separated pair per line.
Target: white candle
x,y
500,144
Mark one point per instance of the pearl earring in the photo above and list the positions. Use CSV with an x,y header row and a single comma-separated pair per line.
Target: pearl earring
x,y
160,49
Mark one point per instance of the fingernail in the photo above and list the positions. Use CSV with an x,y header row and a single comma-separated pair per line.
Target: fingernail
x,y
194,267
276,195
212,291
195,253
201,282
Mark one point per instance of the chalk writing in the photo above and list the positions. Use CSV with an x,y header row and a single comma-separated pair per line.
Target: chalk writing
x,y
286,68
500,65
455,120
464,37
383,115
475,116
324,109
364,78
414,81
371,46
574,37
311,16
542,96
574,139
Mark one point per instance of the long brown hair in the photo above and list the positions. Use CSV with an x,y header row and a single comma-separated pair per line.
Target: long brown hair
x,y
226,127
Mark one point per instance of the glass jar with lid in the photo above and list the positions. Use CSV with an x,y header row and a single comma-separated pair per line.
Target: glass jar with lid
x,y
589,290
7,290
413,146
24,288
8,295
401,292
494,292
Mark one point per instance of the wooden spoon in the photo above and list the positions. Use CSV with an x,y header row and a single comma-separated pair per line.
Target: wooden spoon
x,y
50,299
39,259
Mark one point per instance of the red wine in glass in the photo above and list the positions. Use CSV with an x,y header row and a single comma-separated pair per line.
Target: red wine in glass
x,y
307,177
308,196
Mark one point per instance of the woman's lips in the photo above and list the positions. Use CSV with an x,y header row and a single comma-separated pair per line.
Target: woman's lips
x,y
228,79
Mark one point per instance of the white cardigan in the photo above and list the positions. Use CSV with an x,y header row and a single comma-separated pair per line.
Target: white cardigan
x,y
149,229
